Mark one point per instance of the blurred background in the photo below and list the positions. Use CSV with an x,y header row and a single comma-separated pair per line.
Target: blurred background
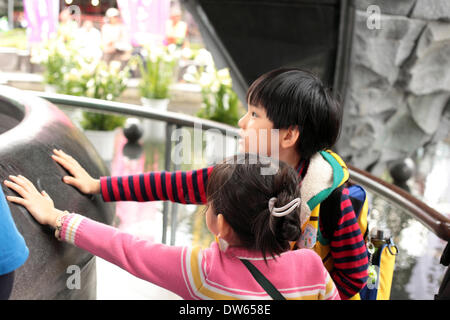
x,y
387,61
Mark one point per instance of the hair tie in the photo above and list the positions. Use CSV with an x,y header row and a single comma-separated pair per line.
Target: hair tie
x,y
284,210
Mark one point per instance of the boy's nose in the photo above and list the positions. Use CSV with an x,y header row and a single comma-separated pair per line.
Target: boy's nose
x,y
242,122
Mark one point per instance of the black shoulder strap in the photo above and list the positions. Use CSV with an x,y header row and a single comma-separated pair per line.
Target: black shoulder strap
x,y
263,281
330,212
444,289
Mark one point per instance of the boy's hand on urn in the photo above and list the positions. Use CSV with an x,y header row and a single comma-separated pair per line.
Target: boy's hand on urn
x,y
80,179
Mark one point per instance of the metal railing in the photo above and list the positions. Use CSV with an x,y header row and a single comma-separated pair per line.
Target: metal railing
x,y
174,121
438,223
173,118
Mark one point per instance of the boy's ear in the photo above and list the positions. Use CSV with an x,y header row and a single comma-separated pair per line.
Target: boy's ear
x,y
289,137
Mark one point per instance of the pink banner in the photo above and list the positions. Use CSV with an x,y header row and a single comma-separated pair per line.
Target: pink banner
x,y
42,18
145,19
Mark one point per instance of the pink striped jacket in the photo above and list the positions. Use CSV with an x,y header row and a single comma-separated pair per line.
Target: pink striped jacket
x,y
195,273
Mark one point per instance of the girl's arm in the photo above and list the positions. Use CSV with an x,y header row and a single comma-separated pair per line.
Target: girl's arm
x,y
330,292
187,187
157,263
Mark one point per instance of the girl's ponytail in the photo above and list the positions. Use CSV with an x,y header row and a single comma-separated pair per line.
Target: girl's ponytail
x,y
243,196
277,232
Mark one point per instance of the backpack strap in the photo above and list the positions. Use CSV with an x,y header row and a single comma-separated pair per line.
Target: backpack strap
x,y
330,214
263,281
444,289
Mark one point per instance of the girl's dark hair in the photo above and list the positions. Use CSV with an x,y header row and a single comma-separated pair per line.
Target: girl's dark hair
x,y
237,189
296,98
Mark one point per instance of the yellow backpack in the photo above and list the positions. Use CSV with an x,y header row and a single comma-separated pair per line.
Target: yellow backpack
x,y
381,252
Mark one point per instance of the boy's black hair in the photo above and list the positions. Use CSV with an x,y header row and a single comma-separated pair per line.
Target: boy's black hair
x,y
296,98
237,190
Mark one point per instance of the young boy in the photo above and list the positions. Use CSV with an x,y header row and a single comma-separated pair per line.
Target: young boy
x,y
309,120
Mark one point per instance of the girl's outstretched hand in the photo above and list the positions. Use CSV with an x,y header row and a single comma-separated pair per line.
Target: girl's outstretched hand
x,y
80,179
39,204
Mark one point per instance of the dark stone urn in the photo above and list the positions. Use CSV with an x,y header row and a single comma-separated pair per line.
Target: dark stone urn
x,y
30,128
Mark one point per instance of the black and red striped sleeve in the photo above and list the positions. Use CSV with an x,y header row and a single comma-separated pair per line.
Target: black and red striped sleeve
x,y
348,250
188,187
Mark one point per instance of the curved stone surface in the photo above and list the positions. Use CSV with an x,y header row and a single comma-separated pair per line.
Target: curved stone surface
x,y
429,70
398,83
397,7
432,10
384,50
427,110
29,129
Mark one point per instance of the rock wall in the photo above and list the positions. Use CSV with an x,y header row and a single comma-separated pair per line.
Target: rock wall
x,y
398,91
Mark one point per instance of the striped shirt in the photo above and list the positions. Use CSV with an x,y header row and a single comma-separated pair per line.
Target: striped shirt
x,y
189,187
194,273
348,250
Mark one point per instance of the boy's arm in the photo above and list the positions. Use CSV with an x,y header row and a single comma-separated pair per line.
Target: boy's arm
x,y
160,264
188,187
348,251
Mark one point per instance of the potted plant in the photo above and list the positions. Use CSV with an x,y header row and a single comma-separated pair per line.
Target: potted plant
x,y
58,55
69,71
219,102
157,66
106,82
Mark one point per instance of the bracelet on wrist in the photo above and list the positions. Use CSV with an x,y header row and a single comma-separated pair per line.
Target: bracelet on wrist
x,y
59,224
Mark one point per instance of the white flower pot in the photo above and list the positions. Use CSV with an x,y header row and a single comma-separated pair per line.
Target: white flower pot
x,y
103,141
50,88
153,129
159,104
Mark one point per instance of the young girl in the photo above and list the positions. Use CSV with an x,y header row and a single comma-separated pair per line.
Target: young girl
x,y
254,217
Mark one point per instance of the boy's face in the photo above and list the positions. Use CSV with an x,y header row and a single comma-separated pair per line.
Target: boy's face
x,y
256,132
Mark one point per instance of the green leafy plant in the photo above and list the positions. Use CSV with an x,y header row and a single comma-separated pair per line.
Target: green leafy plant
x,y
76,74
219,101
220,105
107,82
101,122
15,38
58,56
157,67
